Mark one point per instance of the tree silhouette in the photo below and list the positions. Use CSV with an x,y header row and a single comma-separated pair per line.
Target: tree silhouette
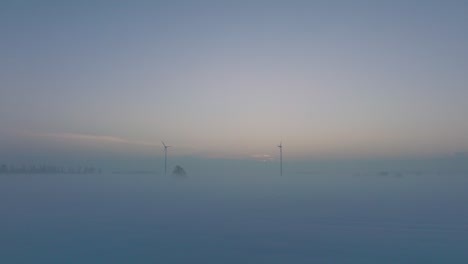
x,y
179,171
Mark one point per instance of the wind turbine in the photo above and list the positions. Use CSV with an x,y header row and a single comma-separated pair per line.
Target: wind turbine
x,y
280,146
165,157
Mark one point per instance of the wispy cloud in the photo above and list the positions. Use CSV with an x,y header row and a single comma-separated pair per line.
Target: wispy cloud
x,y
264,157
96,138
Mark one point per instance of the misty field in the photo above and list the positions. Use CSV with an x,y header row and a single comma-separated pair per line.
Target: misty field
x,y
234,218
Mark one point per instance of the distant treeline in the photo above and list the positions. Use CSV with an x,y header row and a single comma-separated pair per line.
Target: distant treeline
x,y
36,169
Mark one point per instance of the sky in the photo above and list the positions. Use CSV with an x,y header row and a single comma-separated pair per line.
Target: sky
x,y
231,79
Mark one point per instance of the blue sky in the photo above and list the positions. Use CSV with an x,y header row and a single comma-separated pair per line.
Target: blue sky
x,y
332,79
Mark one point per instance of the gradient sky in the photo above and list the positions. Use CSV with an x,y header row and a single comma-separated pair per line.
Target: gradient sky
x,y
332,79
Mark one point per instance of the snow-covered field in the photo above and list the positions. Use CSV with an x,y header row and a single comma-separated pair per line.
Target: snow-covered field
x,y
227,217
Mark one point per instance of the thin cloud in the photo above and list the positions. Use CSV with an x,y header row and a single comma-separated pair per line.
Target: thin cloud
x,y
86,137
264,157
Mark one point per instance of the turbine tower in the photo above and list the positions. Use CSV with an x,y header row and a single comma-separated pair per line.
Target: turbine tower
x,y
165,157
280,146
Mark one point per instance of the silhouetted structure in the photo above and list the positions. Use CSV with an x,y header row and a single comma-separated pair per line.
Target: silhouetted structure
x,y
46,169
179,171
280,146
165,157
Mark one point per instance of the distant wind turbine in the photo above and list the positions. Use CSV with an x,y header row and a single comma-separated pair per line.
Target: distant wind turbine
x,y
165,157
280,146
